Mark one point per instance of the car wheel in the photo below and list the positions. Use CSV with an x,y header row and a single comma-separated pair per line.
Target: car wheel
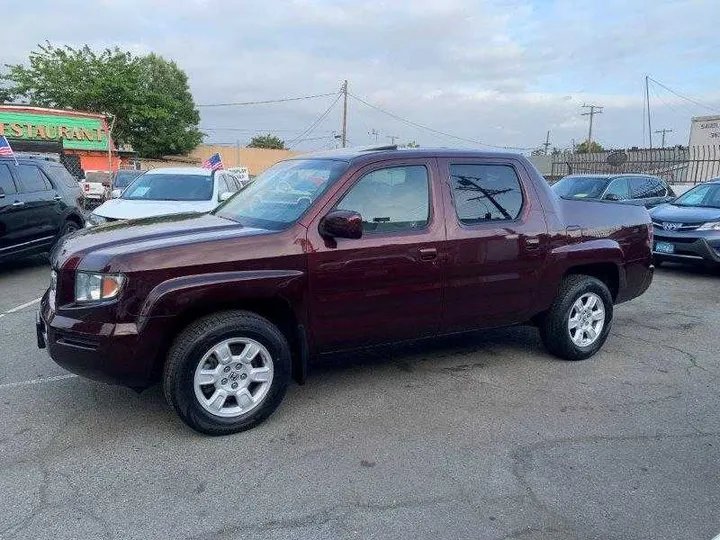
x,y
68,227
227,372
578,322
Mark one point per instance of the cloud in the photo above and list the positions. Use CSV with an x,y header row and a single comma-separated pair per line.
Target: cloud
x,y
498,71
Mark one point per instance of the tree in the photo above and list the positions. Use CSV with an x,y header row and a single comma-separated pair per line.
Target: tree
x,y
585,148
267,141
147,95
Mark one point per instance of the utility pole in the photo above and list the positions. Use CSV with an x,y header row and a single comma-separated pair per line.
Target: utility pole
x,y
344,120
594,109
647,100
374,133
392,138
547,142
663,131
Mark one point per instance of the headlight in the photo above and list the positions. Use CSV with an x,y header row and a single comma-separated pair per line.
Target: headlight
x,y
711,226
90,287
94,219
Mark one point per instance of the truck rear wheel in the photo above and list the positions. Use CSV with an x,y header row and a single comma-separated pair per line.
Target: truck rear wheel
x,y
227,372
578,322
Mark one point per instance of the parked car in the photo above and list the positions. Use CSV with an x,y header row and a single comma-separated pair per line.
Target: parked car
x,y
331,252
122,179
96,185
640,189
166,191
40,202
688,229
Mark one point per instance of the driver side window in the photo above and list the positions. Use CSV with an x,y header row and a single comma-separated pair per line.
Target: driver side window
x,y
391,200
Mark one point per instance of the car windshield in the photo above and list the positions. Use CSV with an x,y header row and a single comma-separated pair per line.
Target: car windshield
x,y
170,187
705,195
581,187
279,196
123,178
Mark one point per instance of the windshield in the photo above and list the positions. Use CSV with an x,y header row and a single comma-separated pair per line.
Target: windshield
x,y
280,195
581,187
123,178
170,187
706,195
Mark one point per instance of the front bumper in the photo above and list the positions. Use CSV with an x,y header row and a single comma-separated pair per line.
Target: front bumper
x,y
688,248
106,352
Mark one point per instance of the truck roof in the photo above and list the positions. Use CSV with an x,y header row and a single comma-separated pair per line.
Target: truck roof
x,y
392,152
181,170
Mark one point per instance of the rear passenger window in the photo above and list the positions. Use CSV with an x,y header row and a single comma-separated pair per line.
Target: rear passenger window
x,y
646,188
485,193
222,184
31,179
392,199
58,172
6,181
619,188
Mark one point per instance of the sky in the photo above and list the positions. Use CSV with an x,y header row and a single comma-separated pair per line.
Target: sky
x,y
490,73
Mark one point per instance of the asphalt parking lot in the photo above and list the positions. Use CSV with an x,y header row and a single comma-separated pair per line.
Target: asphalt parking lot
x,y
482,437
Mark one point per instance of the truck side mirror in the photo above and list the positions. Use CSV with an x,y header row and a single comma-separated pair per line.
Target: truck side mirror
x,y
611,197
341,224
224,196
115,193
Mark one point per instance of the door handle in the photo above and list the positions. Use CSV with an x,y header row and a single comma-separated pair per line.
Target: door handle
x,y
57,198
532,243
428,254
18,203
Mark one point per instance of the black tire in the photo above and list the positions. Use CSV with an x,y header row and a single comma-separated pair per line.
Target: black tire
x,y
70,226
554,324
187,351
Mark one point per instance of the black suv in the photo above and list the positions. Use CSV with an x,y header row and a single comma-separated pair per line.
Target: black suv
x,y
40,202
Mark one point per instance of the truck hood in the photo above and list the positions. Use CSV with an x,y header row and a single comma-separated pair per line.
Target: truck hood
x,y
684,214
132,209
93,248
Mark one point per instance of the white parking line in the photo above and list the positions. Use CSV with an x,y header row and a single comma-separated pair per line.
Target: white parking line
x,y
37,381
22,306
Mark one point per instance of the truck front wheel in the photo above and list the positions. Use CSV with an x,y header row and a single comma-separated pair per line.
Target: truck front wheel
x,y
227,372
578,322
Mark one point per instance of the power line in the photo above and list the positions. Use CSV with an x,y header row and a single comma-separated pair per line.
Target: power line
x,y
257,130
266,101
686,98
594,109
317,122
431,130
664,131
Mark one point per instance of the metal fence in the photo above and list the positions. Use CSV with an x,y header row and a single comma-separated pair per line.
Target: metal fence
x,y
678,165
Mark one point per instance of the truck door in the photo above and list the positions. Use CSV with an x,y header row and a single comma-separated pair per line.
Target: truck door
x,y
40,204
387,285
497,241
12,233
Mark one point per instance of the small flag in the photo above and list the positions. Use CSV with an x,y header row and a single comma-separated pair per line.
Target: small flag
x,y
214,162
5,149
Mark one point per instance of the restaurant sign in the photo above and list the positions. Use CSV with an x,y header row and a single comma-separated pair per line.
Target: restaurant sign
x,y
75,132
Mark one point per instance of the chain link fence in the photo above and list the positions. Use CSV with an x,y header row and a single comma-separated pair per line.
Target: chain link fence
x,y
678,165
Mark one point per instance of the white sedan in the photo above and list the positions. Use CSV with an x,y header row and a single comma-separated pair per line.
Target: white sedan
x,y
165,191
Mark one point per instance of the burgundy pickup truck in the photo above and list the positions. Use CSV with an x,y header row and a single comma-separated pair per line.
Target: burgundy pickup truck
x,y
336,251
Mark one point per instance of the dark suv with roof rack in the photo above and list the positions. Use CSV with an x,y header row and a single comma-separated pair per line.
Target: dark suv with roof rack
x,y
331,252
40,202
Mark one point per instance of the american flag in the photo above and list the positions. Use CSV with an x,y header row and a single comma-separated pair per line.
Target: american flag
x,y
5,149
214,162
